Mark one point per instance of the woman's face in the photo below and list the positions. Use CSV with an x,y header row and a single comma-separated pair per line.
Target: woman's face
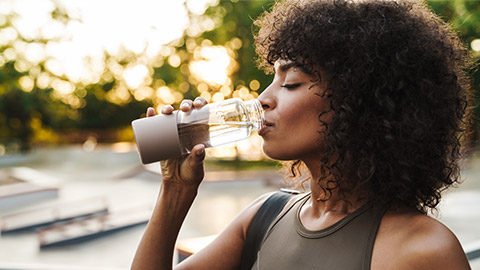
x,y
293,103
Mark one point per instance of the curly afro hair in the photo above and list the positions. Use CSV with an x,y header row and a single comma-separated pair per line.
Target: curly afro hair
x,y
399,92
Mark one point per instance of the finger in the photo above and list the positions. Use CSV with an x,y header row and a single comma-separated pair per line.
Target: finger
x,y
186,105
199,102
167,109
199,151
151,112
195,159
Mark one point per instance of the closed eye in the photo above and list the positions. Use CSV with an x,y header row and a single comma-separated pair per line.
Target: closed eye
x,y
291,86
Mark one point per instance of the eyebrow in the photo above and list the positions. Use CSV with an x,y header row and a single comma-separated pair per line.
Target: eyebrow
x,y
287,66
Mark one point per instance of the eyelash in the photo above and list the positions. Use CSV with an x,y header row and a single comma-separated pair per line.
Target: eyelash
x,y
290,86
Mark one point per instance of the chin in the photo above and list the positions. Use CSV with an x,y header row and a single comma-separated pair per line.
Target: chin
x,y
278,154
288,152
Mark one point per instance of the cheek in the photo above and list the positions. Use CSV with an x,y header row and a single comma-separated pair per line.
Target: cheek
x,y
292,115
299,132
304,116
296,138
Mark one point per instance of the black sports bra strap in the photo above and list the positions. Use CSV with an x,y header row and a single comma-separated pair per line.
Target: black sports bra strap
x,y
259,226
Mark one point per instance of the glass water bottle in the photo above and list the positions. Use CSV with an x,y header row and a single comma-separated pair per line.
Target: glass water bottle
x,y
165,136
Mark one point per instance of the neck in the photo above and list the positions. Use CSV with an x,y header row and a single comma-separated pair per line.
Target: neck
x,y
326,197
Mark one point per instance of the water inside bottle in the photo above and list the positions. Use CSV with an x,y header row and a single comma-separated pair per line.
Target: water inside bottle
x,y
229,132
192,134
212,135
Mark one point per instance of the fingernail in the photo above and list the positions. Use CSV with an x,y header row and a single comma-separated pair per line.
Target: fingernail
x,y
200,152
198,102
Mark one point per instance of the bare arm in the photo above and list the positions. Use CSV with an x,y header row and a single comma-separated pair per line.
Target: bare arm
x,y
156,247
413,241
180,180
435,249
226,250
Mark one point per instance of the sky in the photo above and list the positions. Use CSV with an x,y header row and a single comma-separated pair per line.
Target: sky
x,y
102,25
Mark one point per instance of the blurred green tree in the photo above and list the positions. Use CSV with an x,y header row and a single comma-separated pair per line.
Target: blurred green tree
x,y
464,16
21,99
215,58
40,105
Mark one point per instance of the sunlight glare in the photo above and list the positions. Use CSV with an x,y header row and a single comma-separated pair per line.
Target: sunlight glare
x,y
9,54
206,95
35,52
248,149
165,94
135,76
475,44
123,147
26,83
174,60
22,66
43,80
199,7
140,27
53,29
7,35
142,93
63,87
32,19
132,25
218,97
254,85
214,68
118,95
54,66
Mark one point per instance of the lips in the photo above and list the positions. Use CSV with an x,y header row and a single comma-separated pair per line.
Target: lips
x,y
265,128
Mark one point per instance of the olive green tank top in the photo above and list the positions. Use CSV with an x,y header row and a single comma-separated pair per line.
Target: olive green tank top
x,y
345,245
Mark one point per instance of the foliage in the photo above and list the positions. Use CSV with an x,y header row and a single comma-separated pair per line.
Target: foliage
x,y
464,16
39,104
33,107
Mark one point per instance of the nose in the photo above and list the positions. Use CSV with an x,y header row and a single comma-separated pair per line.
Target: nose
x,y
266,98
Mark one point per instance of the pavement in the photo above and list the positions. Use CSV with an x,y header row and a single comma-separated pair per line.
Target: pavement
x,y
125,183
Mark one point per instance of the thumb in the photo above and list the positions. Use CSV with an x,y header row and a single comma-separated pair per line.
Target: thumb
x,y
197,156
194,163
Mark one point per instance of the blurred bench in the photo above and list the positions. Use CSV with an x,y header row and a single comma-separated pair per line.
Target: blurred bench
x,y
473,250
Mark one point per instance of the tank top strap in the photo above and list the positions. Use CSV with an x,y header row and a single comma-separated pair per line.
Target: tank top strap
x,y
379,212
298,201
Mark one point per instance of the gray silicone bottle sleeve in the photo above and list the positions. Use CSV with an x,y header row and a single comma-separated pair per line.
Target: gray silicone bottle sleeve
x,y
157,137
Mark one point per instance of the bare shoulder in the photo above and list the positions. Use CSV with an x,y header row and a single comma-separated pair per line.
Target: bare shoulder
x,y
225,251
410,240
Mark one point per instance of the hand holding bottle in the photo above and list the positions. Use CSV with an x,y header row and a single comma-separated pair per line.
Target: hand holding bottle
x,y
178,140
185,169
175,133
181,176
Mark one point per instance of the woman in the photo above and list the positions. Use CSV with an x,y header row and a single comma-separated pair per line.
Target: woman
x,y
369,98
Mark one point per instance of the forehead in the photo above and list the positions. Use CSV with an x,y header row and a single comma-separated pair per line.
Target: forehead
x,y
282,62
283,65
